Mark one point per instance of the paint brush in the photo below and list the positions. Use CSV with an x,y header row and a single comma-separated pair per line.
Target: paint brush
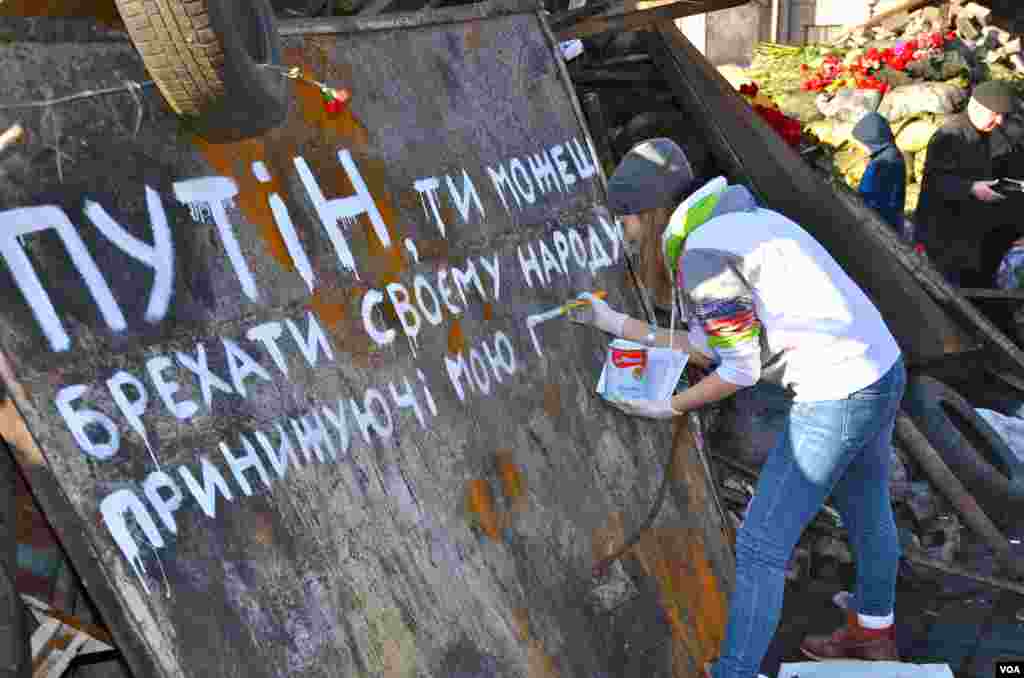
x,y
533,320
563,309
576,303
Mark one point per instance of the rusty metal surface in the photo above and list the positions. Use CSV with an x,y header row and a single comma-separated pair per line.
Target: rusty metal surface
x,y
446,522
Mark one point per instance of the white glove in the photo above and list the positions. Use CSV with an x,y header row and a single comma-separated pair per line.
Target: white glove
x,y
652,409
598,314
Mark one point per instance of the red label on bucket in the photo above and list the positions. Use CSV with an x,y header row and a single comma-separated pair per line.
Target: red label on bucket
x,y
625,358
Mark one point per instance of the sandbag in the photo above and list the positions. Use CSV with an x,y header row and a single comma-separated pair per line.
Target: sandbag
x,y
923,97
914,137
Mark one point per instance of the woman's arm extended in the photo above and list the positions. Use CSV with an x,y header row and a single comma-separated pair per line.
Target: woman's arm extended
x,y
642,333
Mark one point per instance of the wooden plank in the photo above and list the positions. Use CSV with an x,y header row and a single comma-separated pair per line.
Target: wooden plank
x,y
41,609
943,478
403,20
43,636
643,77
624,19
376,7
591,104
64,658
752,152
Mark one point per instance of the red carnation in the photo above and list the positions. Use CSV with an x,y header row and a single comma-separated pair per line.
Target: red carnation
x,y
749,90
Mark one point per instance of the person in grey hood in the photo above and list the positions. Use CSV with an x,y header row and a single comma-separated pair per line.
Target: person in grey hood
x,y
883,187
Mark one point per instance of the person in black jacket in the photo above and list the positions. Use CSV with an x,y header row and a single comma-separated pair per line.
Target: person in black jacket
x,y
958,204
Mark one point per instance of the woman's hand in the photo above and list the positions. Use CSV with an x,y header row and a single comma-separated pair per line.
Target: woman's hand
x,y
598,314
983,191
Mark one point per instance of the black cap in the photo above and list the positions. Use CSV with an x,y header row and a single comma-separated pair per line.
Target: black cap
x,y
655,173
996,95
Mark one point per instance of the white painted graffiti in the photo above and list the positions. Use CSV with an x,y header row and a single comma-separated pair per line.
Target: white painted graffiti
x,y
123,407
211,195
243,370
321,435
548,171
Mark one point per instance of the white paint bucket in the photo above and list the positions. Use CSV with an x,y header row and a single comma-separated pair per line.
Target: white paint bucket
x,y
626,370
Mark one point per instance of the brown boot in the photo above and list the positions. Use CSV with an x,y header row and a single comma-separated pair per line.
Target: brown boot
x,y
853,641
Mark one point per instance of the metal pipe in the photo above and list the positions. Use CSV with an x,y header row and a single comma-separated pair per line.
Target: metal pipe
x,y
911,554
943,478
591,104
915,557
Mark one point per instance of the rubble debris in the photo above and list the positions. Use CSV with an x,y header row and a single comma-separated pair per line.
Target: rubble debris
x,y
612,590
915,68
921,501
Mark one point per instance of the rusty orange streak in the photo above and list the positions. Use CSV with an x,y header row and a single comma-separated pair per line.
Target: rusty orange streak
x,y
342,124
456,339
328,311
235,160
481,506
511,477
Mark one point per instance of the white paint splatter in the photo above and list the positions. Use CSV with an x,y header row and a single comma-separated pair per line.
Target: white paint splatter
x,y
163,572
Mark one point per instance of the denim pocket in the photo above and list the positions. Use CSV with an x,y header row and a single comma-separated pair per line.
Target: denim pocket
x,y
890,385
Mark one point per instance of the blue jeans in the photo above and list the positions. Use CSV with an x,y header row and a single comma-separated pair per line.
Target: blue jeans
x,y
837,447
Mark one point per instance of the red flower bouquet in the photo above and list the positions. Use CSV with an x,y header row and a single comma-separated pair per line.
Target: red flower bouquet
x,y
788,128
861,71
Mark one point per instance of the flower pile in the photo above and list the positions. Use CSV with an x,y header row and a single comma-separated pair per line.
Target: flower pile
x,y
861,73
788,128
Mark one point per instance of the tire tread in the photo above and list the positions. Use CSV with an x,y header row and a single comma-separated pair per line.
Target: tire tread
x,y
180,49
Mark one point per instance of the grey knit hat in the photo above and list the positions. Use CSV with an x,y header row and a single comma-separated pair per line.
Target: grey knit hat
x,y
655,173
996,95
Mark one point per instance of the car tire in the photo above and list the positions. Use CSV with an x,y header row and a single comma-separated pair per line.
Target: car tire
x,y
973,450
207,56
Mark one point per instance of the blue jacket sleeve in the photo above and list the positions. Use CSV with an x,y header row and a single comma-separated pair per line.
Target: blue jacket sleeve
x,y
871,188
883,189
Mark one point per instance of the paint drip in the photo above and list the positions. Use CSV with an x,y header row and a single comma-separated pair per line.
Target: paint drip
x,y
426,208
410,246
426,391
152,454
163,572
140,571
201,212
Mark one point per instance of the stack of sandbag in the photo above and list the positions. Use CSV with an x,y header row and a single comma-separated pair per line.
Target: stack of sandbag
x,y
945,49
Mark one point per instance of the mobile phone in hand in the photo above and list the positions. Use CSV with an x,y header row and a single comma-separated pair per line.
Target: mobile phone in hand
x,y
1005,186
